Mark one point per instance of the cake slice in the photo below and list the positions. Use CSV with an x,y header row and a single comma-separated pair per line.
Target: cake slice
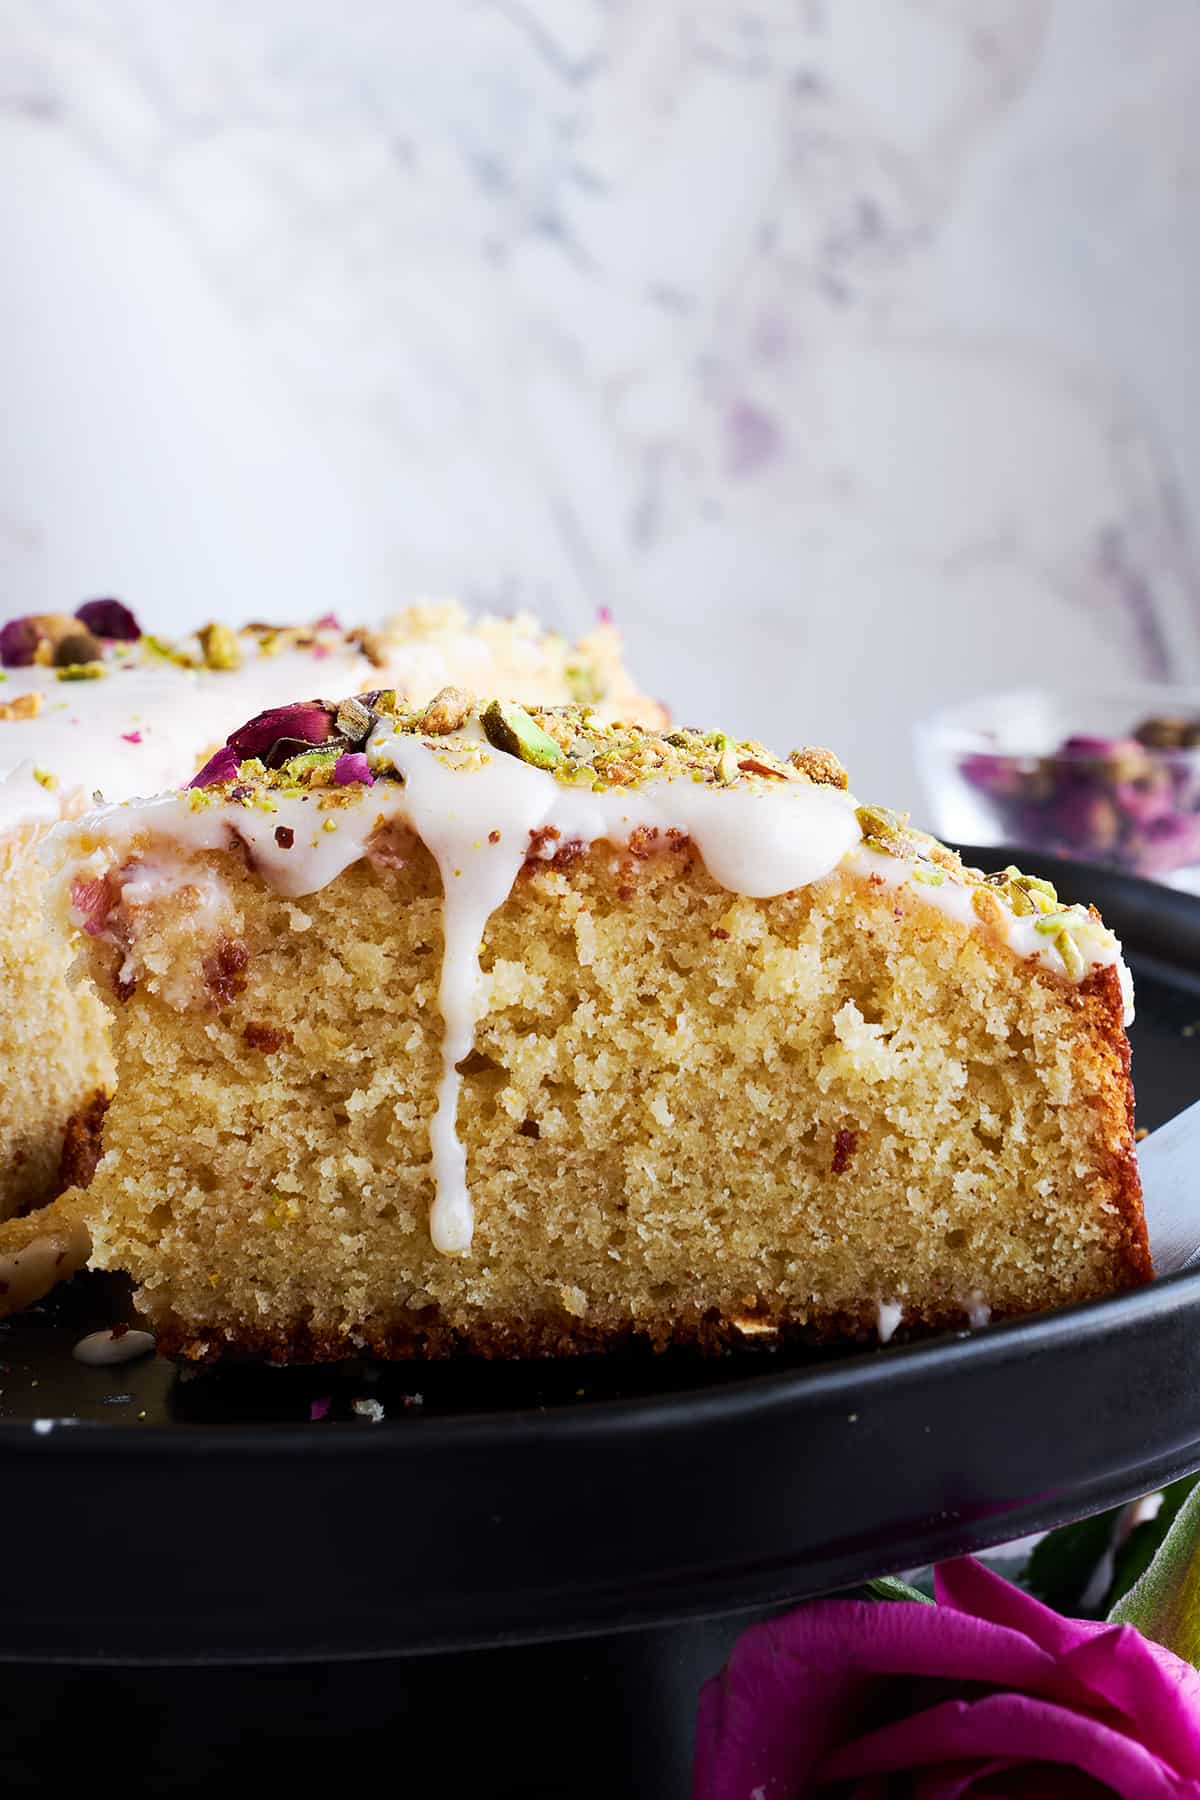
x,y
509,1031
91,702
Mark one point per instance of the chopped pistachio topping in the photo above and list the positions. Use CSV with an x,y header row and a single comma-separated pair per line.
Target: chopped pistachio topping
x,y
1009,892
1071,954
727,759
220,646
449,711
355,718
311,764
162,650
584,684
512,729
81,671
22,706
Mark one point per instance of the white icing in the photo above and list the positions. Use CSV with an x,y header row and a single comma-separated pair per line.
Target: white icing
x,y
102,1348
146,724
889,1316
978,1312
140,729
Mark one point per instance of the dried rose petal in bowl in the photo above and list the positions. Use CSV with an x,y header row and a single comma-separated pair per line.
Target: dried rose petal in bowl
x,y
1109,778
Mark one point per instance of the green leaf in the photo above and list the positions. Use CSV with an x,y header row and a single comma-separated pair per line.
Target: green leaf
x,y
890,1587
1138,1550
1165,1603
1063,1564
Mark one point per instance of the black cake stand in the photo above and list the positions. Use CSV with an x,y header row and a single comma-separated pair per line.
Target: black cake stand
x,y
513,1582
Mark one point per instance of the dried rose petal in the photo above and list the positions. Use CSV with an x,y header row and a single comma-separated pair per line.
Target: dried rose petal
x,y
1099,748
18,642
327,622
281,732
109,619
351,768
1147,800
221,766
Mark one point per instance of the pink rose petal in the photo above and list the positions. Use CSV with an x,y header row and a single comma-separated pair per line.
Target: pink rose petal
x,y
222,766
988,1692
282,732
1014,1726
351,768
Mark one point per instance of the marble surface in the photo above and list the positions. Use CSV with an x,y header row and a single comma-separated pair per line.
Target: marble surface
x,y
846,351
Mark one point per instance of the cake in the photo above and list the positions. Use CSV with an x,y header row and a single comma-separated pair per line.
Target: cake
x,y
503,1029
90,702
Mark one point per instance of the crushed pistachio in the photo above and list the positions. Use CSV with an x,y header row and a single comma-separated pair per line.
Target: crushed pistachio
x,y
80,671
355,719
449,711
314,764
162,650
727,759
24,706
512,729
1071,954
220,646
45,779
584,684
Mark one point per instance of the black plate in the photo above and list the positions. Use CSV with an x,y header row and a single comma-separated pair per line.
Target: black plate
x,y
207,1518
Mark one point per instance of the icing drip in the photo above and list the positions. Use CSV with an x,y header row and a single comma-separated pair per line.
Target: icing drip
x,y
476,821
456,818
100,1349
889,1316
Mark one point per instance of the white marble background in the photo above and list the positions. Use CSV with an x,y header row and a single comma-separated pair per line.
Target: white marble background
x,y
845,349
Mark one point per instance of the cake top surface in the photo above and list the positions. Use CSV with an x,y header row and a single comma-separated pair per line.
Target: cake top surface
x,y
332,772
91,702
304,746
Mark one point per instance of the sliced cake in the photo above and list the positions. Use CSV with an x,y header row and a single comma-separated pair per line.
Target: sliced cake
x,y
89,703
507,1030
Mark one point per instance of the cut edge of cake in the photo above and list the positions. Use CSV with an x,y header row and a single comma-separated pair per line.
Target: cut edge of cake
x,y
90,699
324,833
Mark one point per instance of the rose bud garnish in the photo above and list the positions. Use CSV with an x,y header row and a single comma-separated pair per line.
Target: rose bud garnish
x,y
109,619
278,734
222,766
19,640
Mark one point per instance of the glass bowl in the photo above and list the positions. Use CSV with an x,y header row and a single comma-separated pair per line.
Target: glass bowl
x,y
1110,776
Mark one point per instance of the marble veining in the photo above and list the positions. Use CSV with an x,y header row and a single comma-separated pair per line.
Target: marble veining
x,y
805,337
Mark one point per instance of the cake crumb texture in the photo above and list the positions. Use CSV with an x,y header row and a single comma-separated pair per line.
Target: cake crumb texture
x,y
687,1115
55,1057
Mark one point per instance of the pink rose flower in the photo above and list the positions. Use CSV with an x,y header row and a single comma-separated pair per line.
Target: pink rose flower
x,y
988,1693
